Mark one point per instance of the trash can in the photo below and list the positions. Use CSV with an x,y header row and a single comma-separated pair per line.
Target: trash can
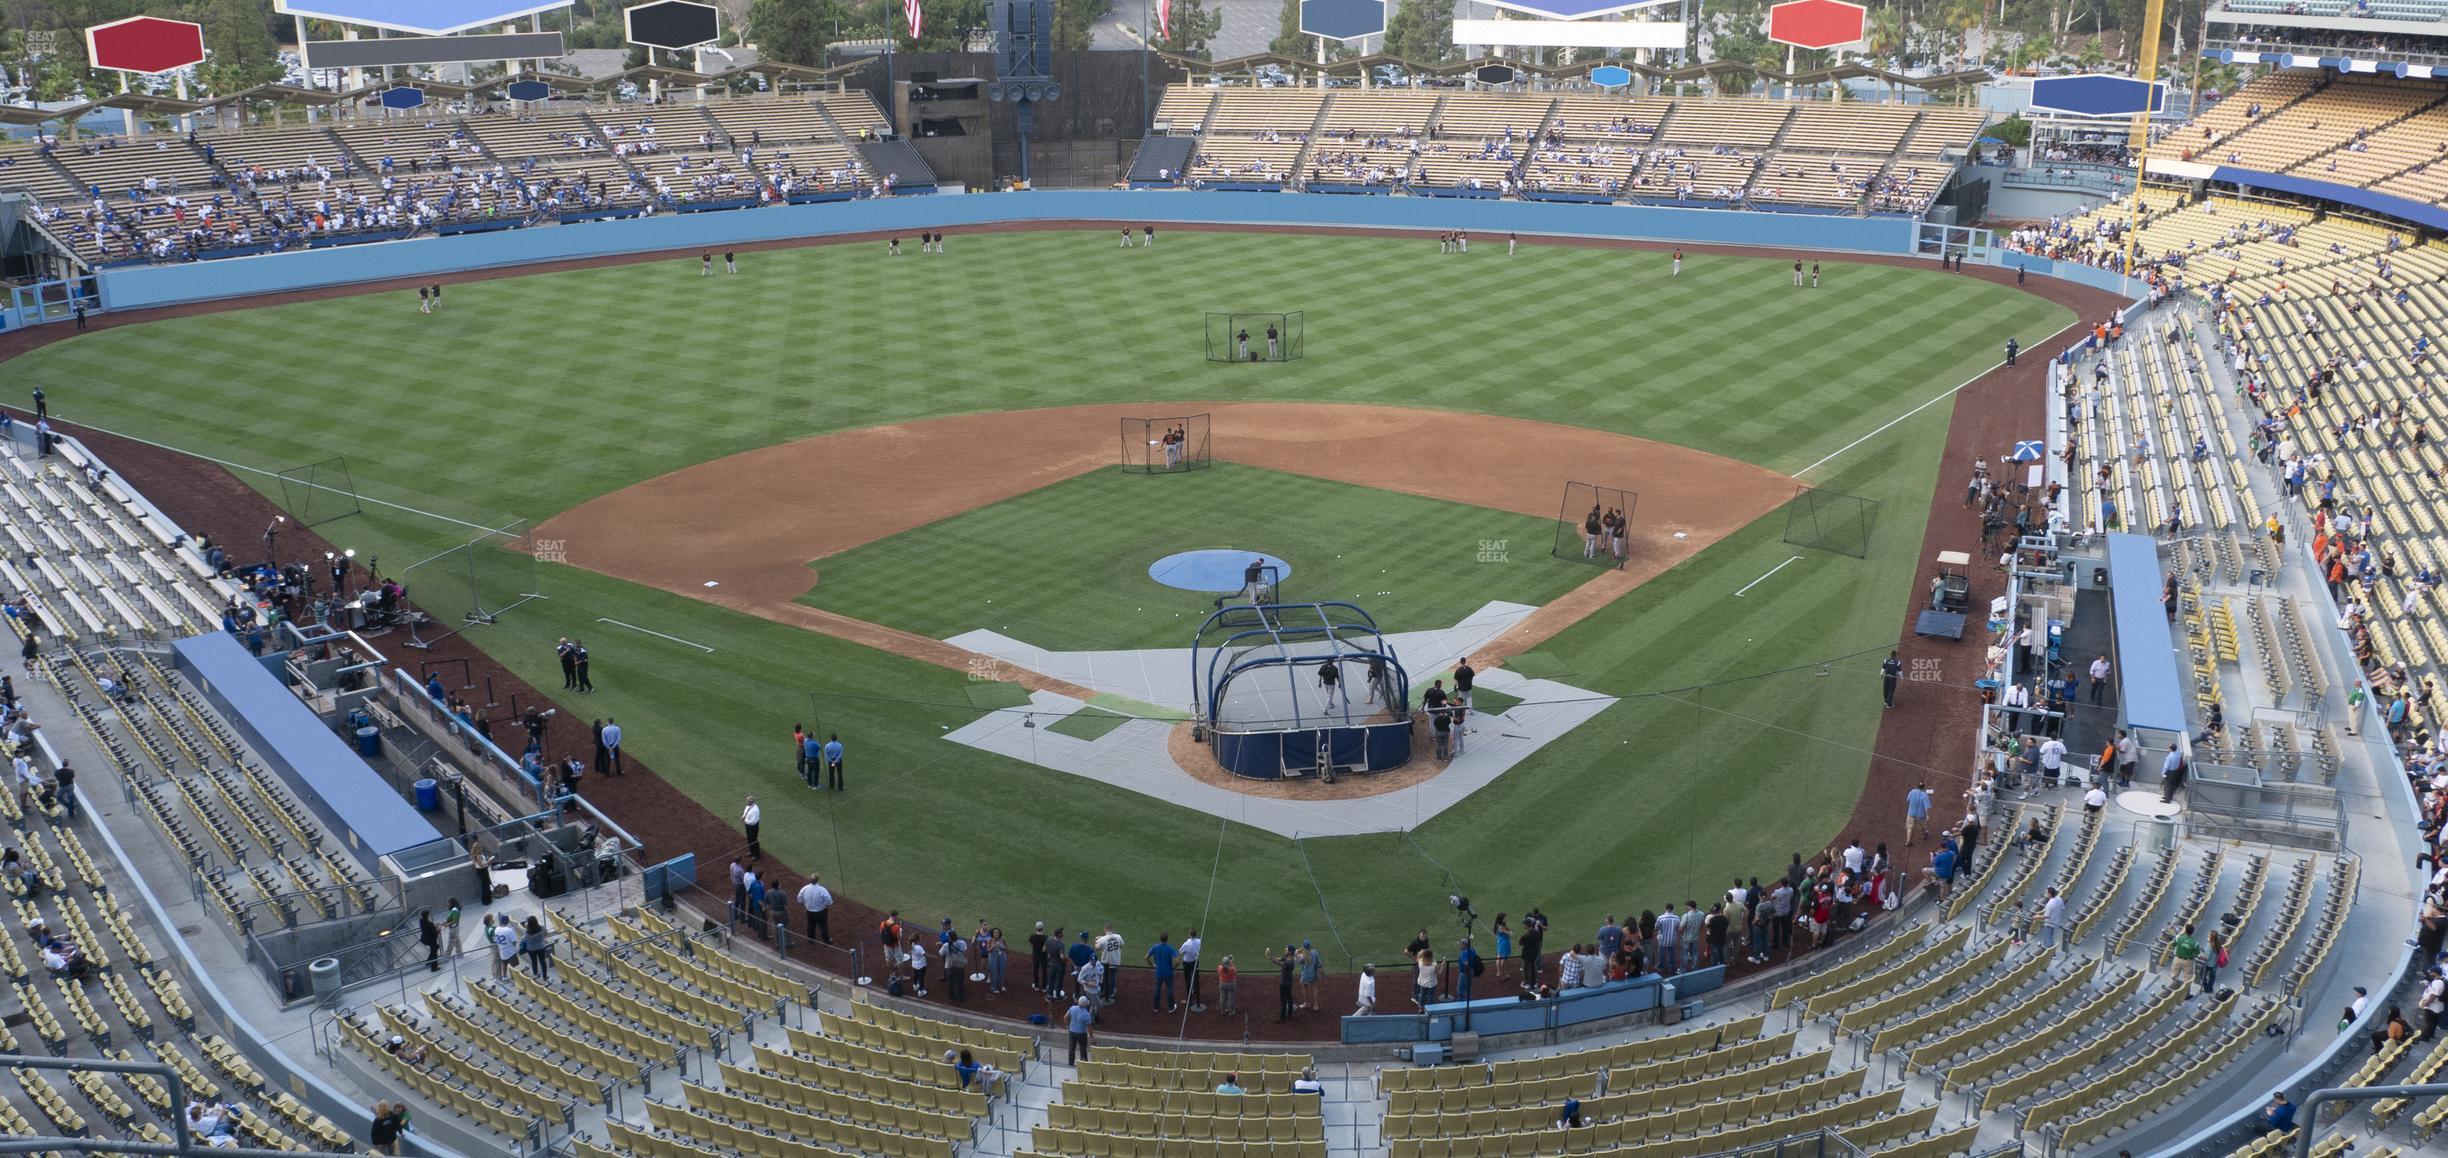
x,y
428,795
323,976
369,741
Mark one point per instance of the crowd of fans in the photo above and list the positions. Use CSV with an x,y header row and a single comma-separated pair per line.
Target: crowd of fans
x,y
436,175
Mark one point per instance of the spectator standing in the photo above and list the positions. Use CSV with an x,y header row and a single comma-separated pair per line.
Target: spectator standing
x,y
390,1120
751,819
2187,950
1190,947
1916,814
429,935
1285,966
1891,670
612,745
1424,979
536,944
1161,958
1467,968
1311,960
579,664
817,901
505,946
1109,955
1533,938
1368,992
1077,1021
833,762
569,663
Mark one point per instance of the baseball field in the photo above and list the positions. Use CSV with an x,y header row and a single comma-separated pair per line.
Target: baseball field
x,y
776,492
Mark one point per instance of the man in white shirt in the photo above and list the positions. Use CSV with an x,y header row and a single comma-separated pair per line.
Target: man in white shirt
x,y
1187,959
2099,680
2052,918
2052,760
2095,799
1853,856
750,818
505,947
2129,755
1368,992
818,901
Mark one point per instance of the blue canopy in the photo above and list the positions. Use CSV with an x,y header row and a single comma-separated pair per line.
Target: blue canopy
x,y
348,794
2149,682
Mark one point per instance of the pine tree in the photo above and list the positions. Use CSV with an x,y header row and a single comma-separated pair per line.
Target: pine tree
x,y
788,31
1422,31
240,51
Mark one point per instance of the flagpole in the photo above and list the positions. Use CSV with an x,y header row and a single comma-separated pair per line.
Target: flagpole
x,y
889,94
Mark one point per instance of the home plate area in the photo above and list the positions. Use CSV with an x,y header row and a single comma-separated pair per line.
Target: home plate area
x,y
1149,691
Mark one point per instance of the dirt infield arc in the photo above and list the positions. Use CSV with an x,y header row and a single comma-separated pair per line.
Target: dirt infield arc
x,y
753,522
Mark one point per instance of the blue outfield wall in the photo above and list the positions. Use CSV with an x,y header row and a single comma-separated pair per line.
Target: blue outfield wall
x,y
139,287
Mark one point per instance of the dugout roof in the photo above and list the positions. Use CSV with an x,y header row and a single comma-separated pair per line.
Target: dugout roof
x,y
2147,680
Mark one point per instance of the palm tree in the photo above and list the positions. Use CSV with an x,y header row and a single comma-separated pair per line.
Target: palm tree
x,y
1884,41
1964,17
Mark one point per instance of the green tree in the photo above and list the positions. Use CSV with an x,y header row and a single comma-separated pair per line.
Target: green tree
x,y
1074,18
1194,24
241,52
788,31
1288,39
1421,30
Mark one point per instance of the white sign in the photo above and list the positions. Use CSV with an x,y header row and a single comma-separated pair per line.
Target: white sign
x,y
1571,33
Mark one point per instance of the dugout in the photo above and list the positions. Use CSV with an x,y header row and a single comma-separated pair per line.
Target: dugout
x,y
1262,703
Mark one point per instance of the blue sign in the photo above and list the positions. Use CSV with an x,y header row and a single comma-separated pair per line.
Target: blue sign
x,y
1342,19
528,90
2096,95
1610,76
424,17
403,97
2029,450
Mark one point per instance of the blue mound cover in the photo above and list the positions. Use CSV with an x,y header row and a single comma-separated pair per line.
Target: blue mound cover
x,y
1214,570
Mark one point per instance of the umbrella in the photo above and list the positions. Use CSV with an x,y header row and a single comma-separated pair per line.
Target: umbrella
x,y
2029,450
1988,140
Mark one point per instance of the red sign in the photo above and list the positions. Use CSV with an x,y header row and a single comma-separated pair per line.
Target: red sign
x,y
1816,23
145,44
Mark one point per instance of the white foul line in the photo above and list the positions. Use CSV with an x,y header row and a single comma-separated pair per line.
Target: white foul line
x,y
656,634
1943,396
1764,578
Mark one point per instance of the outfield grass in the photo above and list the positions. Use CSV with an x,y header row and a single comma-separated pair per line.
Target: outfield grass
x,y
1066,566
531,394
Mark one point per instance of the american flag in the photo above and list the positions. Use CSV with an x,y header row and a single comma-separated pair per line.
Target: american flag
x,y
1164,19
910,10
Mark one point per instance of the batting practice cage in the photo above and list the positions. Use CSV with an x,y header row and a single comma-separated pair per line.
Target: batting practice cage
x,y
1595,523
478,580
1266,705
1255,337
1165,445
319,492
1831,521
